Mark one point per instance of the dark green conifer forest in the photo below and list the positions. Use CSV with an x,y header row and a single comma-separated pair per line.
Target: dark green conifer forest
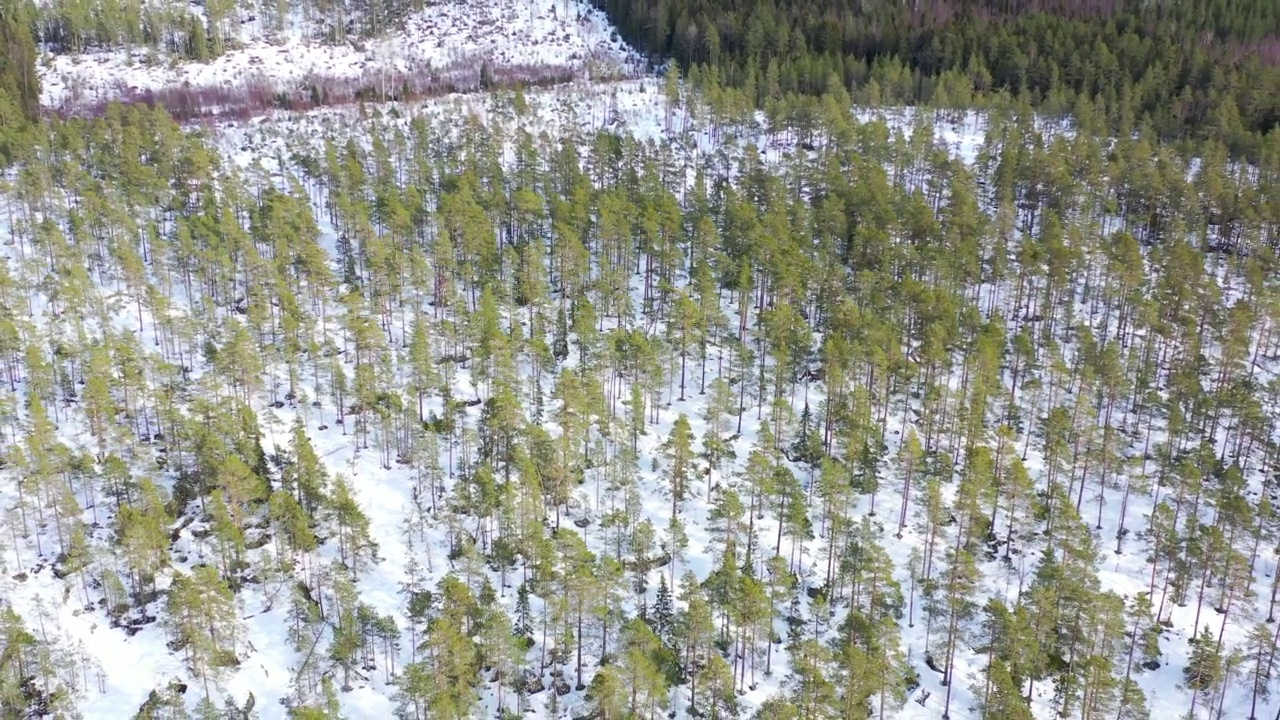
x,y
1186,69
19,86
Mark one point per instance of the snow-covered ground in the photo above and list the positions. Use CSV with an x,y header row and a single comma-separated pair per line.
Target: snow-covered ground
x,y
117,669
640,109
121,669
551,34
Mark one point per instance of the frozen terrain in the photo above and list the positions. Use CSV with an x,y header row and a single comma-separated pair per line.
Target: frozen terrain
x,y
114,669
553,36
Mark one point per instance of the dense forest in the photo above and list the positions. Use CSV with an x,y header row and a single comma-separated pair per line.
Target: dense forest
x,y
207,29
1188,69
19,86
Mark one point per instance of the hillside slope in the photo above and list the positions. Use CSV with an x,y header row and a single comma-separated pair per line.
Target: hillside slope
x,y
1187,70
445,43
588,400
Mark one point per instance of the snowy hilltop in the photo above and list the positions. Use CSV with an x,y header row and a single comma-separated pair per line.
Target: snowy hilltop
x,y
533,39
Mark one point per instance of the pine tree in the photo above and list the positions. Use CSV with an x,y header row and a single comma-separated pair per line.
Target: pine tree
x,y
910,455
1204,668
356,546
607,694
142,533
501,650
1261,648
346,640
662,615
523,626
716,446
1003,699
678,453
643,661
202,617
306,476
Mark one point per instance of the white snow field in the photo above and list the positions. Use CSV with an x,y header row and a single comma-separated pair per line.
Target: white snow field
x,y
566,36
